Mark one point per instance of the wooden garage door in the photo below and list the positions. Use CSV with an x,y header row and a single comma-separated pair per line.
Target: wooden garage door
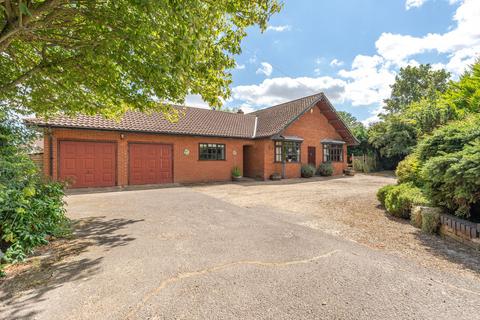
x,y
150,163
87,164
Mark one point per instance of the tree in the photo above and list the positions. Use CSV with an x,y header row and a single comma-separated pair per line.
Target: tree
x,y
359,131
394,137
107,56
413,109
413,84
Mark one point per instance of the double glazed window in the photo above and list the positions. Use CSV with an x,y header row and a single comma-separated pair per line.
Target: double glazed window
x,y
211,151
332,152
287,150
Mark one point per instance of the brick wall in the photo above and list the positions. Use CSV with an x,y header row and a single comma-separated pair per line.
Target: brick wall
x,y
37,158
312,127
186,168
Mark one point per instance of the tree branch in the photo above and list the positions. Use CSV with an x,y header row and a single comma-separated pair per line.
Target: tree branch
x,y
13,27
22,77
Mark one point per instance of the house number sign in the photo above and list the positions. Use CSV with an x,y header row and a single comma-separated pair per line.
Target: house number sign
x,y
186,152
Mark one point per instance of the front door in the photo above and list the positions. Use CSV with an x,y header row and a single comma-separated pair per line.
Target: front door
x,y
311,156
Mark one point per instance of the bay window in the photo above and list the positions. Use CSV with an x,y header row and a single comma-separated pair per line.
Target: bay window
x,y
332,152
288,151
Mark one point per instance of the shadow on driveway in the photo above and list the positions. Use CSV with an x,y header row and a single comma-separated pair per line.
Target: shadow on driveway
x,y
443,248
55,264
448,249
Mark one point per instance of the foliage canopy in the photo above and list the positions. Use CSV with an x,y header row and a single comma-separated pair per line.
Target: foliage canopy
x,y
413,84
105,56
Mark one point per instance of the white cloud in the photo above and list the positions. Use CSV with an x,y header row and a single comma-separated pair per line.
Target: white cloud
x,y
278,90
239,66
409,4
336,63
265,69
195,100
246,107
279,28
369,80
414,4
318,61
461,43
375,117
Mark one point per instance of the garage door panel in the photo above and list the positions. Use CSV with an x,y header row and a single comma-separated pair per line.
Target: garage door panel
x,y
87,164
150,163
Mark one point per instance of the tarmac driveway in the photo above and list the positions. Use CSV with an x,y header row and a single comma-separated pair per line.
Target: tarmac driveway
x,y
180,254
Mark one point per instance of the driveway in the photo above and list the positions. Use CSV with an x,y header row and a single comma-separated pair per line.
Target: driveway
x,y
239,251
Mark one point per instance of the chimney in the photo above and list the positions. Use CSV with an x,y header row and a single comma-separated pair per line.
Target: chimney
x,y
240,111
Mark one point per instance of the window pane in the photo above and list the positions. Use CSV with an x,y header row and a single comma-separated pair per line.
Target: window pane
x,y
221,152
211,151
332,152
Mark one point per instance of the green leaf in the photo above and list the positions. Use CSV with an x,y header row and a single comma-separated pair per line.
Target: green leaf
x,y
24,9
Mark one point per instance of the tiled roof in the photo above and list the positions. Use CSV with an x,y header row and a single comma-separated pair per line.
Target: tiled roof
x,y
192,121
195,121
272,120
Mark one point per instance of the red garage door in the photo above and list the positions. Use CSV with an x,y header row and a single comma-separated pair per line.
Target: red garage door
x,y
87,164
150,163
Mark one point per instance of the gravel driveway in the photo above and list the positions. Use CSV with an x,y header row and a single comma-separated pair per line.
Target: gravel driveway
x,y
304,249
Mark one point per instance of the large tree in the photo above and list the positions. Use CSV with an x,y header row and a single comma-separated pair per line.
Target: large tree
x,y
412,110
107,56
413,84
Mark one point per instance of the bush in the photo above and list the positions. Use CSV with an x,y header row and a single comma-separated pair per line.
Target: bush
x,y
325,169
400,199
382,193
453,180
408,170
450,138
430,222
30,207
308,171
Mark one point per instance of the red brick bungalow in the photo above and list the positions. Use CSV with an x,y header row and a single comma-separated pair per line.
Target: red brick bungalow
x,y
204,145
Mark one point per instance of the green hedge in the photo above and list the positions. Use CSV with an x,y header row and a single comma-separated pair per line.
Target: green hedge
x,y
31,208
400,199
382,193
408,170
453,180
450,138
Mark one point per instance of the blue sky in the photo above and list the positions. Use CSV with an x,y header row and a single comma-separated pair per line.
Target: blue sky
x,y
351,50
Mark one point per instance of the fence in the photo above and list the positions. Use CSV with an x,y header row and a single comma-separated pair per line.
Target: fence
x,y
365,163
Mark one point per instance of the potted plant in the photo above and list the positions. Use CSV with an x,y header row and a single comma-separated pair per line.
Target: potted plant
x,y
275,176
236,174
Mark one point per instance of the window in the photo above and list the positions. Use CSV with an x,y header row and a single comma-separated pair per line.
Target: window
x,y
211,151
287,150
332,152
